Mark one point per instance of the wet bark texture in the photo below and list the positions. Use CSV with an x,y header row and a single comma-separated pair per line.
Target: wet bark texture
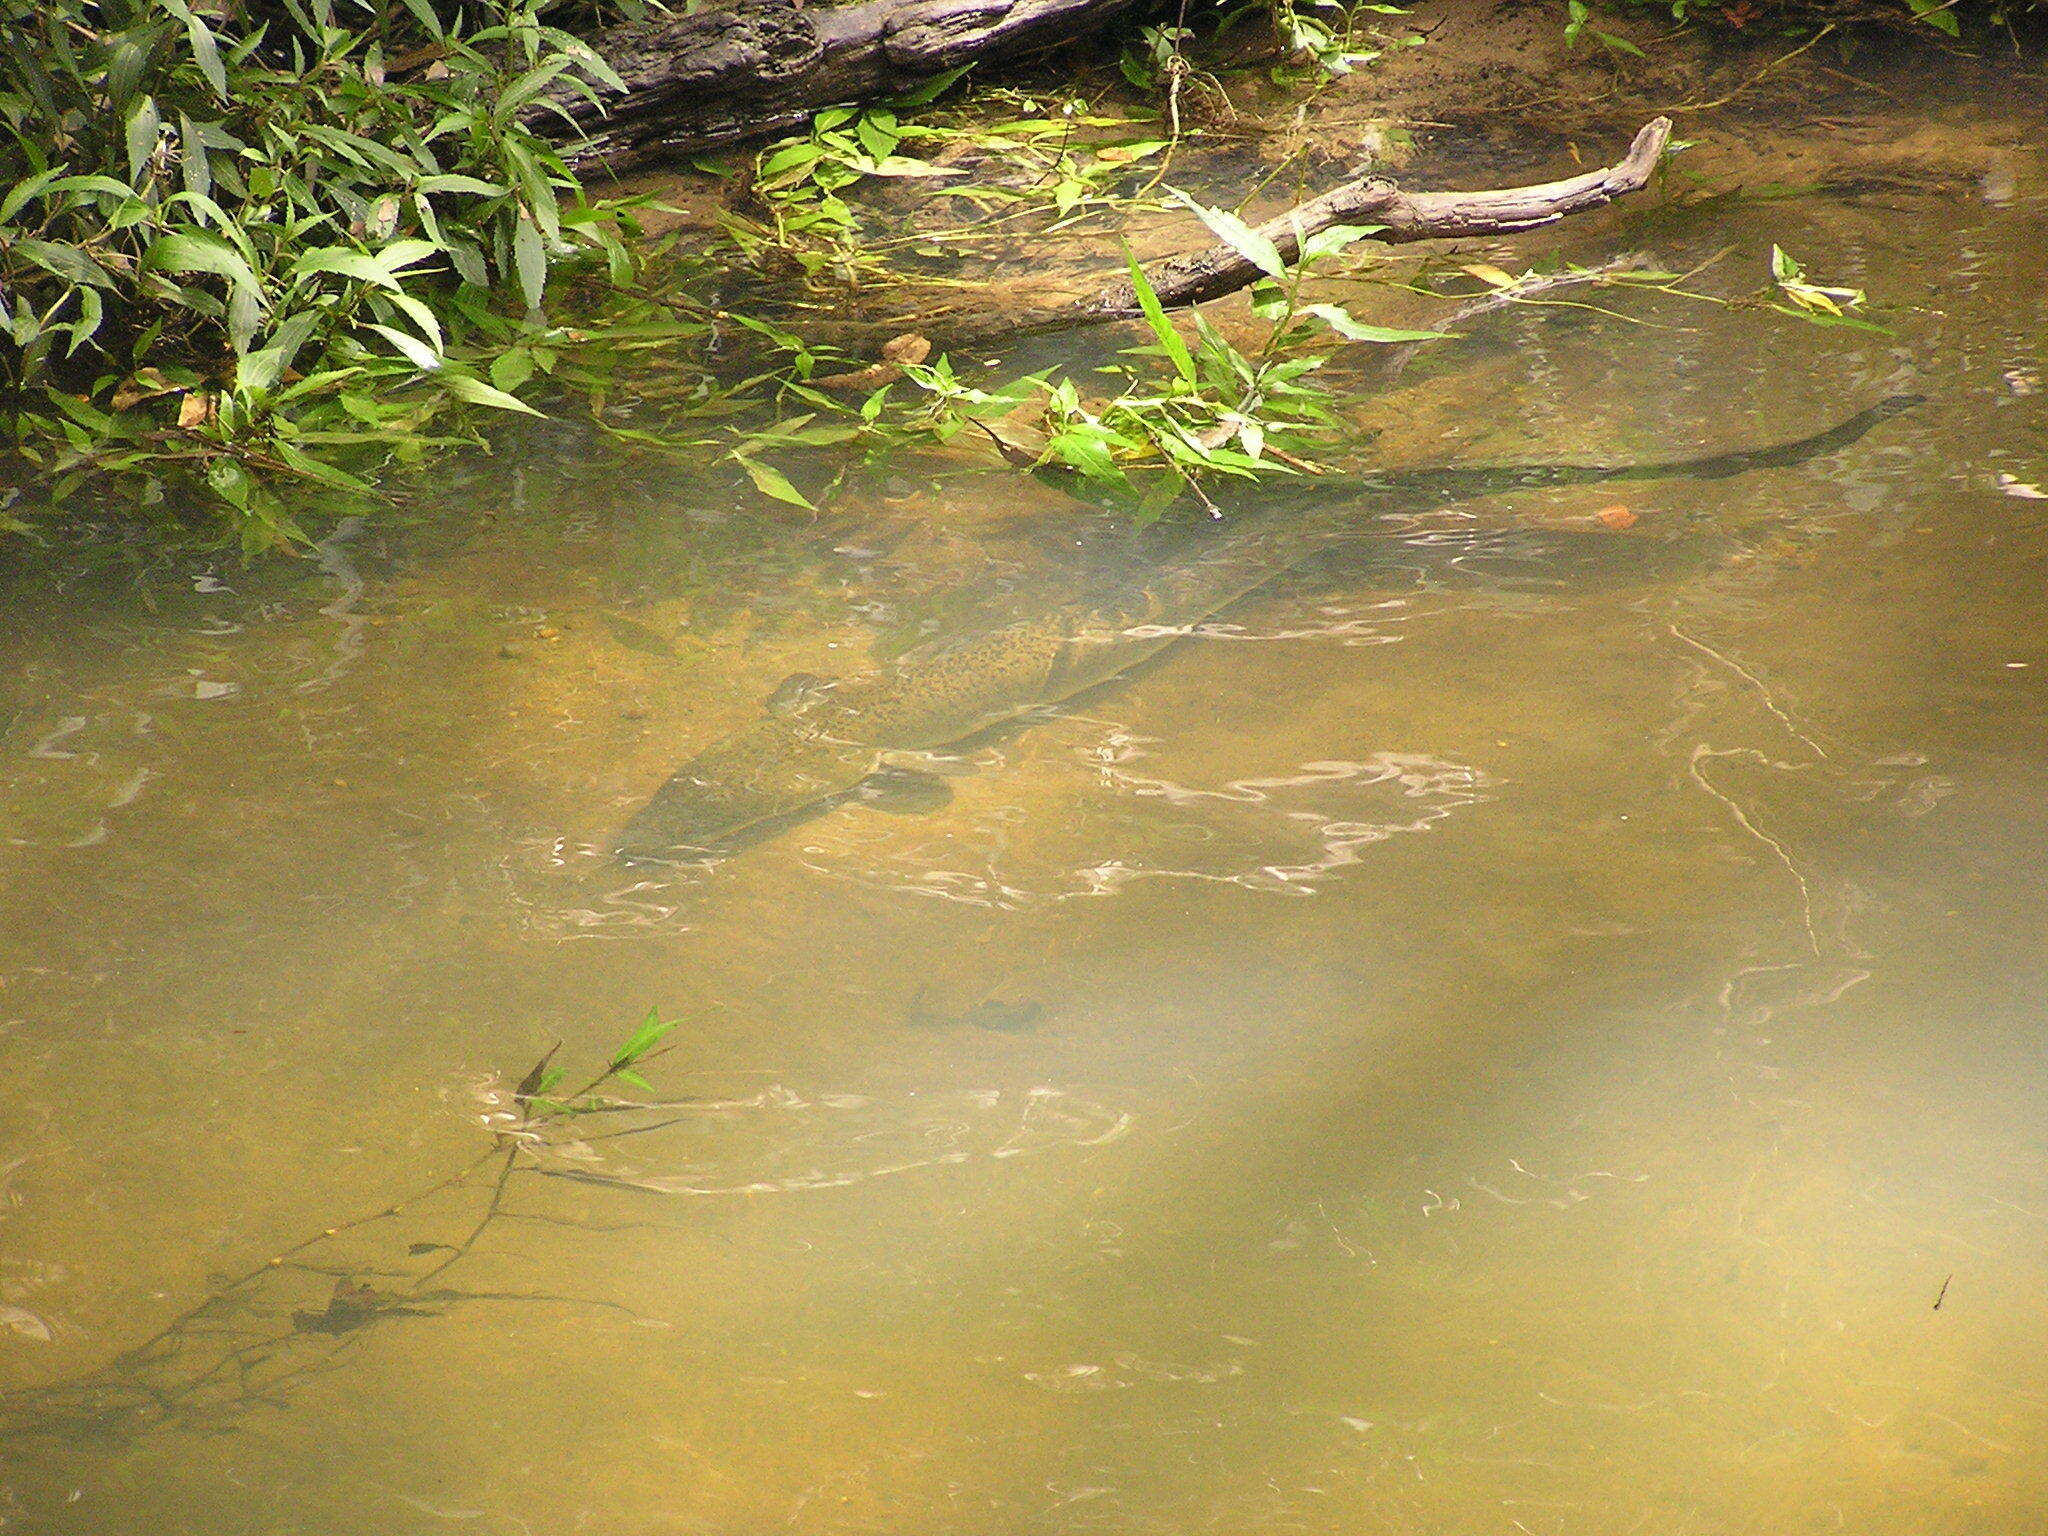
x,y
748,67
1400,216
1219,270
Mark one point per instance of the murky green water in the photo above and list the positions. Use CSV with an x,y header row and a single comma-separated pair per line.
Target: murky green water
x,y
1513,1031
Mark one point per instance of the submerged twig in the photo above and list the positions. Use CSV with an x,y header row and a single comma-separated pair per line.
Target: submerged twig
x,y
1397,357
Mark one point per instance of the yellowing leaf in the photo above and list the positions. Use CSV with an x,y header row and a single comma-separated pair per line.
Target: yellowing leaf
x,y
900,165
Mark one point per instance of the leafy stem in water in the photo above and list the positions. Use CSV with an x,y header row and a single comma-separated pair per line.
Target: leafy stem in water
x,y
535,1093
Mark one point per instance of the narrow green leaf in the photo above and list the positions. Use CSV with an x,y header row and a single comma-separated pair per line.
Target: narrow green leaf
x,y
245,315
770,481
90,312
511,369
141,130
1085,450
586,58
415,351
65,261
423,13
469,263
261,370
192,159
195,251
343,261
1339,320
231,482
420,314
318,470
400,254
477,392
19,195
1325,243
86,415
932,89
644,1039
96,184
128,59
454,183
205,50
529,261
1238,235
526,87
1155,317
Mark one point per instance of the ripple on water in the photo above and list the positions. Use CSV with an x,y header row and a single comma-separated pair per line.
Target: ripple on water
x,y
1283,833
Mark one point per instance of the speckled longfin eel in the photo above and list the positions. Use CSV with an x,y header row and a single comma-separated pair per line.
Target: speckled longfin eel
x,y
938,694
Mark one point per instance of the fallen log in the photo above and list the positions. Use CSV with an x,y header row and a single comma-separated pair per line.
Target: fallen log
x,y
1400,217
714,77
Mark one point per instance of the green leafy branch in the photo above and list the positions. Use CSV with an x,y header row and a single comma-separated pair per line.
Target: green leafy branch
x,y
237,254
536,1092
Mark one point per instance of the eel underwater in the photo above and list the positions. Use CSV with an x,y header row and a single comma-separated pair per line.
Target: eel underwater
x,y
824,738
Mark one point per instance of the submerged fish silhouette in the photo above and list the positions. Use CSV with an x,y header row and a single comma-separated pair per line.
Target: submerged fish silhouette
x,y
823,738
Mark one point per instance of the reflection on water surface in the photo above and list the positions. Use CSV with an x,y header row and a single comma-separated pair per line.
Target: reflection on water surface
x,y
1509,1029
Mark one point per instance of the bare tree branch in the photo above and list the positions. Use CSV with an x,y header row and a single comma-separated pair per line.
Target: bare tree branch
x,y
1401,216
1219,270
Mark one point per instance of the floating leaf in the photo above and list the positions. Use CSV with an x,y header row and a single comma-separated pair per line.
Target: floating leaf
x,y
1340,321
901,165
770,481
1489,274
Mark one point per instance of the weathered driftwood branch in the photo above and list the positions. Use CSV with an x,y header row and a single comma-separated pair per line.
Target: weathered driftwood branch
x,y
1401,217
1220,270
748,67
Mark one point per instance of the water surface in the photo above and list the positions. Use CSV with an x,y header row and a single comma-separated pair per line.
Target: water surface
x,y
1514,1030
